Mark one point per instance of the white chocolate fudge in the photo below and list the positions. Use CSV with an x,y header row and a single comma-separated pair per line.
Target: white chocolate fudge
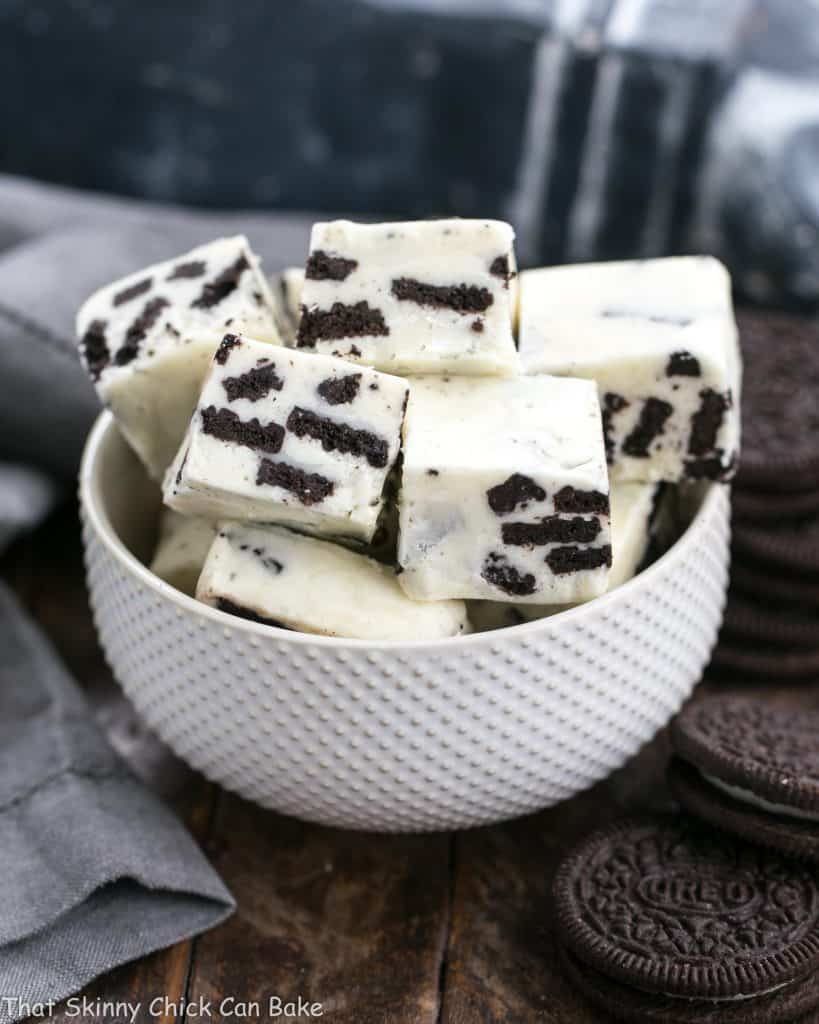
x,y
632,511
286,287
147,340
504,492
283,437
417,297
183,544
659,338
273,575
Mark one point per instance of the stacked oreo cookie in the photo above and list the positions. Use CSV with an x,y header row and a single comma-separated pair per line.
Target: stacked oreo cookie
x,y
663,920
772,620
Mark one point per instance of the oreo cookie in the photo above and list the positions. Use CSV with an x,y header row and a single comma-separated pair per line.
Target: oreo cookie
x,y
786,588
771,623
793,547
664,920
759,660
751,769
780,443
753,506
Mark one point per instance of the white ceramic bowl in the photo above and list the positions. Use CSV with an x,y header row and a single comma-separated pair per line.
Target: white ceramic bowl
x,y
397,736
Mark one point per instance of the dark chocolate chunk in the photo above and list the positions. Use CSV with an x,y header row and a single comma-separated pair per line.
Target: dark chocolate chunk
x,y
132,291
229,342
254,384
612,404
650,426
551,530
506,577
340,390
572,500
707,420
225,425
683,364
224,284
242,612
462,298
135,334
574,559
339,437
499,267
95,348
309,488
340,321
514,491
325,266
193,268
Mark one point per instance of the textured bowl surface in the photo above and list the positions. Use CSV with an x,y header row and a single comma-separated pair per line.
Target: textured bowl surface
x,y
397,736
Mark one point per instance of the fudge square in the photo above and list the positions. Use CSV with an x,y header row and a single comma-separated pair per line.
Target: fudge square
x,y
660,339
504,493
147,340
416,297
270,574
280,436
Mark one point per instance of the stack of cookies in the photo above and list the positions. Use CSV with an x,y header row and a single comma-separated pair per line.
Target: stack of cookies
x,y
713,916
772,620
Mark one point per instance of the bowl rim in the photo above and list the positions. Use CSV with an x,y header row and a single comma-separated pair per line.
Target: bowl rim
x,y
97,516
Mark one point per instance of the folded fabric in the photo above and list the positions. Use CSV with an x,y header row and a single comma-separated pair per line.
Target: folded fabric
x,y
94,869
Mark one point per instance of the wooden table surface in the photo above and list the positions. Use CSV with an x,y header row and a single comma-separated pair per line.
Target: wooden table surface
x,y
378,929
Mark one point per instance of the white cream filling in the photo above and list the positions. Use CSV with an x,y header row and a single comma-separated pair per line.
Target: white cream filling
x,y
747,797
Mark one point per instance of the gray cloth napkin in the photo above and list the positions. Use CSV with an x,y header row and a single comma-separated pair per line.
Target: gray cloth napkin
x,y
94,869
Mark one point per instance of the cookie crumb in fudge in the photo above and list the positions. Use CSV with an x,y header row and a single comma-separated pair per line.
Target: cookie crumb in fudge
x,y
574,559
499,573
254,384
191,268
309,488
342,390
339,321
516,491
461,298
570,499
132,291
230,341
325,266
707,420
215,291
226,425
551,530
339,436
499,267
477,326
612,404
136,333
95,348
683,364
653,415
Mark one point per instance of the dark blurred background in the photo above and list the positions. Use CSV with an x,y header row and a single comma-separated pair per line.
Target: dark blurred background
x,y
601,128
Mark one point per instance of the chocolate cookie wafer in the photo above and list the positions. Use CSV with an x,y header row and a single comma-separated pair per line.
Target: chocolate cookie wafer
x,y
779,626
788,589
751,769
770,507
666,920
780,412
793,547
759,660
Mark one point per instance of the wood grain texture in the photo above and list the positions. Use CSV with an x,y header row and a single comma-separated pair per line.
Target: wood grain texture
x,y
354,921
